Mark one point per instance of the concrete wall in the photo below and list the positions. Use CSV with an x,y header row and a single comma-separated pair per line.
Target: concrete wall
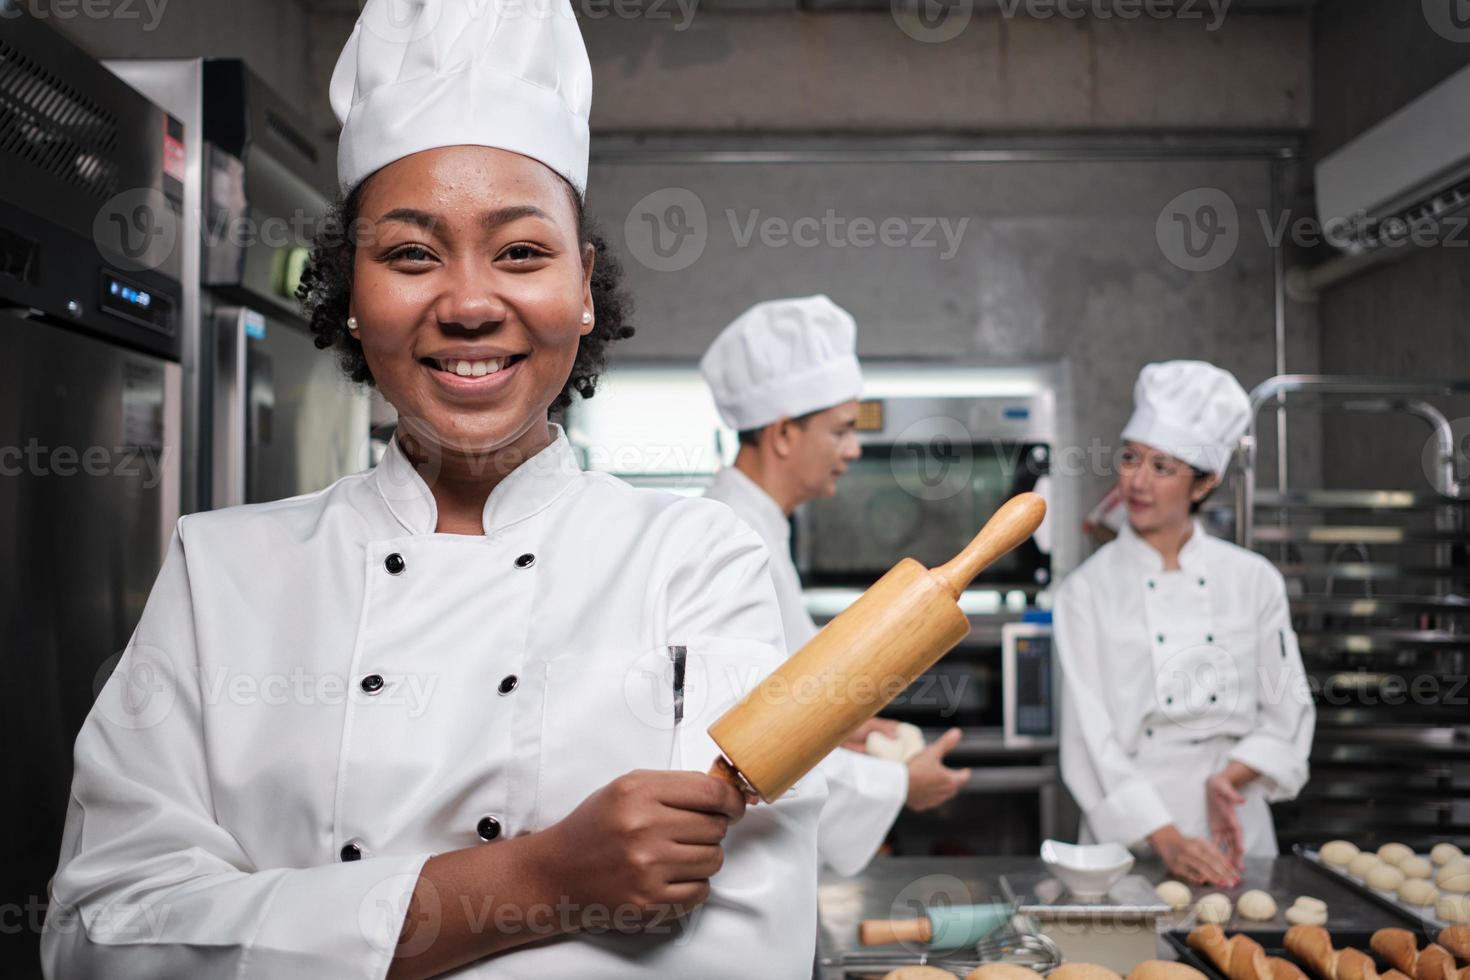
x,y
1407,319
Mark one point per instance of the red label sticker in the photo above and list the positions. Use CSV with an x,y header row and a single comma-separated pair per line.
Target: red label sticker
x,y
173,148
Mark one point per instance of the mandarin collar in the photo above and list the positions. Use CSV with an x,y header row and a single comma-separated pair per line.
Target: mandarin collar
x,y
1147,557
526,490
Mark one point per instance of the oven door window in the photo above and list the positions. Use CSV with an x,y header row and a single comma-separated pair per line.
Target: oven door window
x,y
919,501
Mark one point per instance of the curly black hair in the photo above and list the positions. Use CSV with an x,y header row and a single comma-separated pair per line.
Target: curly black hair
x,y
326,288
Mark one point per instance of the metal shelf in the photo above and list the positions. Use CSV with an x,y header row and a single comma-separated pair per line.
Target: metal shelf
x,y
1366,534
1379,605
1381,500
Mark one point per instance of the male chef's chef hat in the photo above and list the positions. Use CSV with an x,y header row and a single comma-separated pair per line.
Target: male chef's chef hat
x,y
1191,410
420,74
782,359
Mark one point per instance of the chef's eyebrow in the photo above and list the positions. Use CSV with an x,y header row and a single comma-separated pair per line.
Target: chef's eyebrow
x,y
490,219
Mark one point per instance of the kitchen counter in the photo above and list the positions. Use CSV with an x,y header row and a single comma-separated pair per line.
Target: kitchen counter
x,y
901,887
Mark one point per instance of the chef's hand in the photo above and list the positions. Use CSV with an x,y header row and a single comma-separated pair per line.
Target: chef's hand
x,y
931,782
857,739
649,841
1193,859
1221,799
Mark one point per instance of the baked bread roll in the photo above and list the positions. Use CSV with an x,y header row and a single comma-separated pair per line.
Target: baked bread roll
x,y
1082,971
1445,853
1338,853
1257,906
1395,853
1175,894
1001,971
1456,939
1435,963
1385,878
1418,891
1313,946
1239,957
1214,908
1398,947
1164,970
1354,965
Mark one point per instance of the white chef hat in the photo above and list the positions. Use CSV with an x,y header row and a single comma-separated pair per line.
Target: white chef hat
x,y
1191,410
420,74
782,359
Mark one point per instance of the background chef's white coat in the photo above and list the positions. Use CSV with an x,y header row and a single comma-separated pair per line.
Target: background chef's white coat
x,y
1168,676
865,794
233,753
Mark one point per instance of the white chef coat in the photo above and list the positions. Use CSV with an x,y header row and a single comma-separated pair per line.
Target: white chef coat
x,y
236,752
1167,676
865,794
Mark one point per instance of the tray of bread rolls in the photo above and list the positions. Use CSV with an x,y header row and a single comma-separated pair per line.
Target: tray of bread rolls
x,y
1434,888
1315,953
1274,895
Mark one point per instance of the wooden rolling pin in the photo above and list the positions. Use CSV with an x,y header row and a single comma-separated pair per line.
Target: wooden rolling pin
x,y
942,928
861,660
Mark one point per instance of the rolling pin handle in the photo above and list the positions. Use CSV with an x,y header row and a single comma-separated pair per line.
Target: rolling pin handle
x,y
725,772
1017,519
885,932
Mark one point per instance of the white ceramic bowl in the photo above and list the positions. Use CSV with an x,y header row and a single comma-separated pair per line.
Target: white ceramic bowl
x,y
1090,870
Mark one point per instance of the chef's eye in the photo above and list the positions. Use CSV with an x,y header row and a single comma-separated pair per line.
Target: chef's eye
x,y
523,252
409,253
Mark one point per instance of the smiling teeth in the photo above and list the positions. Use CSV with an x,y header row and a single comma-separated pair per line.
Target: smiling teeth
x,y
473,369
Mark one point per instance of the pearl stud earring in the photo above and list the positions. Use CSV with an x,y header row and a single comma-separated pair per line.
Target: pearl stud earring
x,y
352,324
586,317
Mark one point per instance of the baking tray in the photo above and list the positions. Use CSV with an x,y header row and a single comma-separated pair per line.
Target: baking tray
x,y
1422,917
1353,916
1350,911
1272,942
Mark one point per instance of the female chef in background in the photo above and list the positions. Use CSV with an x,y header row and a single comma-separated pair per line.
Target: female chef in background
x,y
418,720
1185,707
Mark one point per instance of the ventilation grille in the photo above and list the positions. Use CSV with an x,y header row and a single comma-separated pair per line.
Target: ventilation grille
x,y
54,128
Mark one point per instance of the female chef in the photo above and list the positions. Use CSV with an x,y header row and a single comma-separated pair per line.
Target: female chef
x,y
418,720
1185,708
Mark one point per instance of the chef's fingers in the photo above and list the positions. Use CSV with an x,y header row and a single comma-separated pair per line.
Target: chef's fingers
x,y
942,745
691,827
692,862
1211,863
698,791
686,896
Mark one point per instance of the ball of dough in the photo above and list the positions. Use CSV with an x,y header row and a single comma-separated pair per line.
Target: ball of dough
x,y
1001,971
1308,902
1256,906
1338,853
918,973
1082,971
1418,891
1454,877
1416,867
1362,864
900,747
1395,853
1453,908
1385,878
1445,853
1301,915
1214,908
1175,894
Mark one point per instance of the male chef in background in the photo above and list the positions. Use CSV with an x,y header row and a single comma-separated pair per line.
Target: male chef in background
x,y
785,376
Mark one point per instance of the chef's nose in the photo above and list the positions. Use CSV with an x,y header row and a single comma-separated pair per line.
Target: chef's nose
x,y
470,303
